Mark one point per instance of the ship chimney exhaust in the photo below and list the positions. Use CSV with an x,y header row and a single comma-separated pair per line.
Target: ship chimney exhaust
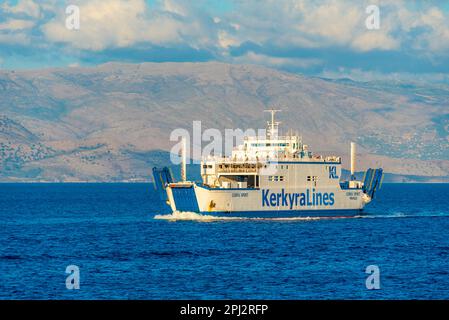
x,y
353,151
184,160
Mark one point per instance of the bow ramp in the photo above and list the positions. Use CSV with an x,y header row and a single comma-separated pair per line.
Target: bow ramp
x,y
373,181
162,177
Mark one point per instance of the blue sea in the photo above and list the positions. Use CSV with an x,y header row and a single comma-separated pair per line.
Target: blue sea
x,y
128,246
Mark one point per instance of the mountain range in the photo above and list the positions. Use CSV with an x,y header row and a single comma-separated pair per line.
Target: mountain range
x,y
113,122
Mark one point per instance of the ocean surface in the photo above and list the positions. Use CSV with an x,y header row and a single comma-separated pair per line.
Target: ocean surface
x,y
128,246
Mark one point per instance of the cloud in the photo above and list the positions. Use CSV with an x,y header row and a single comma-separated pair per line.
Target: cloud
x,y
174,7
23,7
18,21
374,40
437,36
315,24
14,39
284,63
333,22
297,35
120,23
113,23
16,24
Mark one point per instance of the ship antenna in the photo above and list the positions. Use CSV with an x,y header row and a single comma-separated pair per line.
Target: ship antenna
x,y
273,125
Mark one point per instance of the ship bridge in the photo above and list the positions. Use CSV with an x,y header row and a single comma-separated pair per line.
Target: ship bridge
x,y
250,160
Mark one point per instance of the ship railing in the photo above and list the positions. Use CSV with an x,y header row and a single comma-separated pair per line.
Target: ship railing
x,y
237,170
262,160
262,138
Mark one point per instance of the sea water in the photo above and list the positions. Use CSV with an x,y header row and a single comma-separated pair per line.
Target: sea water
x,y
127,245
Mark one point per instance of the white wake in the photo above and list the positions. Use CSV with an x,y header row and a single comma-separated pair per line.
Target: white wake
x,y
193,216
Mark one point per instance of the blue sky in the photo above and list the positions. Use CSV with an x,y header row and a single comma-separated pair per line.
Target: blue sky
x,y
322,37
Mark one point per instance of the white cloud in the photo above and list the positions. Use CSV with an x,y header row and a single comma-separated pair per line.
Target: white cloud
x,y
277,27
25,7
174,7
114,23
20,21
121,23
282,24
309,24
226,40
16,24
335,22
374,40
437,38
20,38
254,58
433,22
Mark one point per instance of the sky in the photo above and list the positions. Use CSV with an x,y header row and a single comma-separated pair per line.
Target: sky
x,y
326,38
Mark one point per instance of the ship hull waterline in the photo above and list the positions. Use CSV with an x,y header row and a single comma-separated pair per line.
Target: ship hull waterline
x,y
266,203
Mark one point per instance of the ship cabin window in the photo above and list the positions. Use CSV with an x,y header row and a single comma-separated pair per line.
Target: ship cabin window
x,y
312,178
269,144
275,178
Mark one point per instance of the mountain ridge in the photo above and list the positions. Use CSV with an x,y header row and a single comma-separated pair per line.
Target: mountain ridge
x,y
99,123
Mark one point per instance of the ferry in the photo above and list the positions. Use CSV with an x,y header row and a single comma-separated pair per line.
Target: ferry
x,y
272,176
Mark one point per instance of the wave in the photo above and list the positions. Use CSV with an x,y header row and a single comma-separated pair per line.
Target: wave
x,y
405,215
193,216
188,216
385,215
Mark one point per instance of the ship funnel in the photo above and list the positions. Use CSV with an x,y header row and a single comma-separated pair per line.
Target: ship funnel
x,y
184,160
353,151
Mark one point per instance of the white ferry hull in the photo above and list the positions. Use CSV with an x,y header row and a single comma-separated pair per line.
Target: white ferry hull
x,y
268,203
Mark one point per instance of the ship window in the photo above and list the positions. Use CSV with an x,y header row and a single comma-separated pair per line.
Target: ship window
x,y
209,166
275,178
204,166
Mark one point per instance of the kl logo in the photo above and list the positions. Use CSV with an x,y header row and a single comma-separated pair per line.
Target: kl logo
x,y
333,172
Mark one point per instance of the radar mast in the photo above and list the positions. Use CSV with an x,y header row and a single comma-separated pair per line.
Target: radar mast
x,y
273,126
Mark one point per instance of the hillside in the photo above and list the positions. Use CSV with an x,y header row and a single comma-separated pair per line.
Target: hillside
x,y
110,123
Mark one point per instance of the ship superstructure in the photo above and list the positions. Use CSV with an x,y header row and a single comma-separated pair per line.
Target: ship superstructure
x,y
270,176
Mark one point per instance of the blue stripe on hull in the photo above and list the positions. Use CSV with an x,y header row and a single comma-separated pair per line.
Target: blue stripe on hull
x,y
286,213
